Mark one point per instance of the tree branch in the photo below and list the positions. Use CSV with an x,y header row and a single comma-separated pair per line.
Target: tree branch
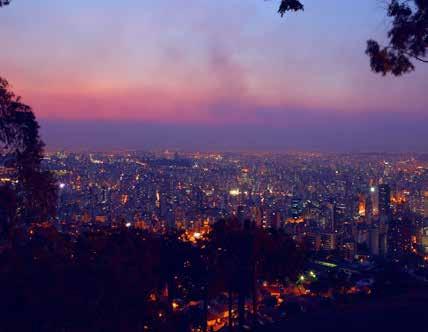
x,y
419,59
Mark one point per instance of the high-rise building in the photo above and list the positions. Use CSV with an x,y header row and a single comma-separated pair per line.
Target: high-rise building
x,y
105,195
275,220
422,241
331,216
378,241
374,198
385,201
339,214
374,241
313,241
369,209
296,208
426,204
399,241
328,241
349,250
361,205
257,215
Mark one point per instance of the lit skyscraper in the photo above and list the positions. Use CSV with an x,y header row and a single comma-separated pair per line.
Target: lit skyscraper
x,y
385,201
374,198
426,204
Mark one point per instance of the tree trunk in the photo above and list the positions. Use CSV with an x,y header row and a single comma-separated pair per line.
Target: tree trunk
x,y
254,293
230,309
205,314
170,295
241,309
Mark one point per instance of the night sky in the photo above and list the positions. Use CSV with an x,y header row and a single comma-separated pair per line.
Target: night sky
x,y
203,74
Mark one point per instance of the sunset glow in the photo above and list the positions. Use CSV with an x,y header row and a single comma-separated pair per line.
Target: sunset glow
x,y
206,63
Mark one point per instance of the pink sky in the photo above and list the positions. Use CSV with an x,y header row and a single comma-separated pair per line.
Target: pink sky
x,y
225,62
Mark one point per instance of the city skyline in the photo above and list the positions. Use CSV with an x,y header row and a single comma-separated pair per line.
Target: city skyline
x,y
189,75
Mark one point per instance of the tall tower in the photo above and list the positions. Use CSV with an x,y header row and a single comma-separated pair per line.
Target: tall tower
x,y
331,208
361,205
257,215
296,208
385,202
369,210
374,241
374,197
426,204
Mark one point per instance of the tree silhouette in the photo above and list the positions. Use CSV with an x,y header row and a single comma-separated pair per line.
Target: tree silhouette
x,y
7,208
290,5
4,2
407,37
247,254
34,189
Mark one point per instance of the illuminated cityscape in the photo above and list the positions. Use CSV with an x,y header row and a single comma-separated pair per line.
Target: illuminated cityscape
x,y
360,205
346,211
213,166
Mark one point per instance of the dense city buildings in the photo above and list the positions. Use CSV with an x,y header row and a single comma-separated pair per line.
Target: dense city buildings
x,y
360,205
227,239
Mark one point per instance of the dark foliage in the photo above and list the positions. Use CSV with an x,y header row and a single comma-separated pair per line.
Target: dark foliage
x,y
127,280
245,255
408,39
33,189
100,282
290,5
4,2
